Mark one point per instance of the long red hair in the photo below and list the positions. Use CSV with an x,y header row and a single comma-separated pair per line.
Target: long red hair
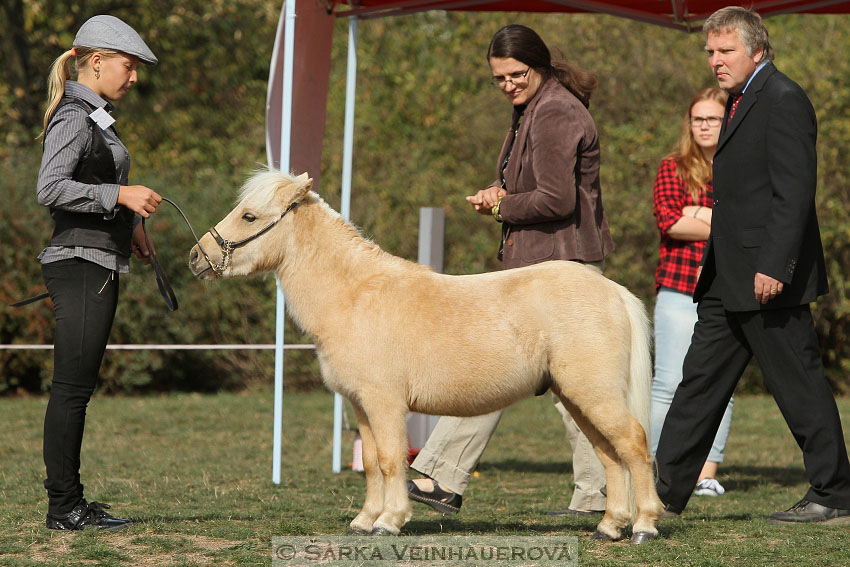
x,y
691,166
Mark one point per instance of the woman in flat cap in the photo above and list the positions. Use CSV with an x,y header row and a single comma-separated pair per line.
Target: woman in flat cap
x,y
84,181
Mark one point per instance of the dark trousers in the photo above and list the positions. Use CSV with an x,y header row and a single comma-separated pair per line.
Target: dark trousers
x,y
84,297
785,345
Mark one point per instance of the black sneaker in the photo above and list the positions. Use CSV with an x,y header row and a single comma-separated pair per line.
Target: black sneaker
x,y
439,499
86,516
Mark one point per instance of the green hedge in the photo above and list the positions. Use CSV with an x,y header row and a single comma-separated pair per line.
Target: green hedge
x,y
428,129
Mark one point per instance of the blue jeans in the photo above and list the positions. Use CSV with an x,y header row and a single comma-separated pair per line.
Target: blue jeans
x,y
675,316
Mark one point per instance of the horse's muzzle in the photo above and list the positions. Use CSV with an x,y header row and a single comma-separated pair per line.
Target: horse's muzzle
x,y
199,265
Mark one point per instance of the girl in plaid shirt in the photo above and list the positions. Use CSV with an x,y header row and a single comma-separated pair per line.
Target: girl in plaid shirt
x,y
682,201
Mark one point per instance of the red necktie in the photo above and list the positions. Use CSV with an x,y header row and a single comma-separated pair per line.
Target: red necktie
x,y
735,100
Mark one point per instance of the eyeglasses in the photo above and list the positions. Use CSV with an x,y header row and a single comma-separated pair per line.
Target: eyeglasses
x,y
513,78
712,121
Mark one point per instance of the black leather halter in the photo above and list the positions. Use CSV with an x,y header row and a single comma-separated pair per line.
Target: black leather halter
x,y
227,246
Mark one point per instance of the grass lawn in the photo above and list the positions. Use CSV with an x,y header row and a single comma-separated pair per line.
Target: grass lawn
x,y
194,472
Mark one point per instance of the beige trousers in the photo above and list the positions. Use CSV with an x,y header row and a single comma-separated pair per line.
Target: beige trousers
x,y
455,446
457,443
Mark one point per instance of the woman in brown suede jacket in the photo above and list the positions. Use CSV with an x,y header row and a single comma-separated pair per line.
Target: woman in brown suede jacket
x,y
549,201
548,192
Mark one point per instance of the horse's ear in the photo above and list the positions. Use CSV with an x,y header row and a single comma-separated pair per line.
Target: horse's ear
x,y
305,184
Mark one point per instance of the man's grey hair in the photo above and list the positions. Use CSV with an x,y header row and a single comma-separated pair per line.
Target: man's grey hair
x,y
749,25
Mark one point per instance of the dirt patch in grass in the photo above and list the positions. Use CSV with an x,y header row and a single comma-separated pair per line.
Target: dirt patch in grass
x,y
145,551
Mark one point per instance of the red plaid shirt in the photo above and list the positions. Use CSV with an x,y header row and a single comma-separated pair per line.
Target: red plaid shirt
x,y
678,260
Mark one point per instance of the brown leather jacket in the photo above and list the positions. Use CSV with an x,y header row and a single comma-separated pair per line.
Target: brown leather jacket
x,y
553,209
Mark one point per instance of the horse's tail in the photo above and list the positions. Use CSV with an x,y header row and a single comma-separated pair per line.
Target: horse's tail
x,y
640,372
640,361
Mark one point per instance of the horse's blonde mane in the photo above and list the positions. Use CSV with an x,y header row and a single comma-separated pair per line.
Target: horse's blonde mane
x,y
260,190
261,186
355,238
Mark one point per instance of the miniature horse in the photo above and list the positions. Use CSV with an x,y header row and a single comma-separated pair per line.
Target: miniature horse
x,y
393,336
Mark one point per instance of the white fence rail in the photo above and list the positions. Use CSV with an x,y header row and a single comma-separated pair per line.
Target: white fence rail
x,y
172,347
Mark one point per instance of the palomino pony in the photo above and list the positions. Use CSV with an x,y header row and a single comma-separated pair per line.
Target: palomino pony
x,y
393,336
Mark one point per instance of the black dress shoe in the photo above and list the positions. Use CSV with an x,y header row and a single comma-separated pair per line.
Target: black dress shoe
x,y
574,512
438,499
805,511
669,513
86,515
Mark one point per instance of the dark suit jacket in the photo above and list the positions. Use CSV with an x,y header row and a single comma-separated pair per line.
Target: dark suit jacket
x,y
553,209
764,220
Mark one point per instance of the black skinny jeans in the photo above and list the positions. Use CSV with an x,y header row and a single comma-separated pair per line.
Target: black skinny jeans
x,y
84,296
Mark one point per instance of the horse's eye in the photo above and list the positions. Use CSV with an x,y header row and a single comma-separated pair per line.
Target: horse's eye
x,y
248,217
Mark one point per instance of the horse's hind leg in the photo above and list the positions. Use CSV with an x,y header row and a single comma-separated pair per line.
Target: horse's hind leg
x,y
374,503
629,440
617,514
389,431
649,506
622,438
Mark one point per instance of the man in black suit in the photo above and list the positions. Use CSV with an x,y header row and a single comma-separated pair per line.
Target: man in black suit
x,y
762,267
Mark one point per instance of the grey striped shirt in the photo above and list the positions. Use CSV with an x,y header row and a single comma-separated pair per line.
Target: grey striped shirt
x,y
67,140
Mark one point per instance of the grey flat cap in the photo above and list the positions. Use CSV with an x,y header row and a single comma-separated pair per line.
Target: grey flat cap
x,y
108,32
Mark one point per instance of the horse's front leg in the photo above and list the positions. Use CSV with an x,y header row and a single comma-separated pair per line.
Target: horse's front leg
x,y
389,430
374,504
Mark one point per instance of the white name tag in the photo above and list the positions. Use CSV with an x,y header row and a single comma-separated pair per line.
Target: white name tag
x,y
102,118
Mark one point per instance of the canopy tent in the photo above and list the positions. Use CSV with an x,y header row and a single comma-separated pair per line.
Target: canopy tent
x,y
680,14
299,79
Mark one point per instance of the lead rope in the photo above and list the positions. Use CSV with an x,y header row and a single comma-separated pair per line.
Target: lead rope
x,y
162,283
165,288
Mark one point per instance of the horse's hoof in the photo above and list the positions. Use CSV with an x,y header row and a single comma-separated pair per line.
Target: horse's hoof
x,y
599,536
381,531
356,531
642,537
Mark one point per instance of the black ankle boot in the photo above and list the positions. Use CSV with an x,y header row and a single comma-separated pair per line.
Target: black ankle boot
x,y
86,516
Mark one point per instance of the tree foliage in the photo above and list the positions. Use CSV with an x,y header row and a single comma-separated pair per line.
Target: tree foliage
x,y
428,131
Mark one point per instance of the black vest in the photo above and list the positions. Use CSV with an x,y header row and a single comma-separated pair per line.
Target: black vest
x,y
91,230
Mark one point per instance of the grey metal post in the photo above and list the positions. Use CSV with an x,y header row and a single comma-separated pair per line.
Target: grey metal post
x,y
432,236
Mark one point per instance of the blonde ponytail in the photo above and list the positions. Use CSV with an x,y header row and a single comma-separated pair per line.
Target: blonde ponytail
x,y
67,66
59,73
